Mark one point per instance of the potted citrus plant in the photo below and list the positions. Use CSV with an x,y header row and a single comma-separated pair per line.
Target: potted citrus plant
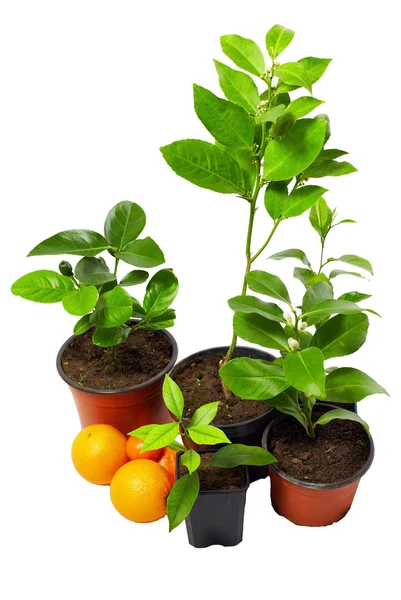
x,y
115,362
266,144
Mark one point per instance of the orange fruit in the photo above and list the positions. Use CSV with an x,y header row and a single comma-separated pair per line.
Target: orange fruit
x,y
134,447
167,460
139,491
98,452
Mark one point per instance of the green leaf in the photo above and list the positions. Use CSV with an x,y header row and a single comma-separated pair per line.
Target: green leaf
x,y
340,413
162,321
354,296
205,414
245,161
123,224
253,379
82,325
355,261
143,432
191,460
283,123
205,165
337,272
93,271
268,284
309,277
317,293
229,123
295,150
172,396
321,217
325,119
329,168
181,499
81,301
207,434
330,154
291,253
110,336
276,198
346,221
161,436
303,106
350,385
302,199
270,116
305,371
331,307
315,66
238,87
42,286
341,335
256,329
277,40
176,446
287,403
294,73
113,308
134,278
240,454
251,304
245,53
142,253
81,242
161,291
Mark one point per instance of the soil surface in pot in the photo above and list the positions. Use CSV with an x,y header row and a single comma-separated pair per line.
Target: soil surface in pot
x,y
339,450
217,478
141,357
200,383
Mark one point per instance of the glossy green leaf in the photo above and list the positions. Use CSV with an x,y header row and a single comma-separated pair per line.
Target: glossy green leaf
x,y
113,308
346,221
302,199
341,335
207,434
329,168
229,123
331,307
82,325
317,293
80,242
355,261
42,286
305,371
172,396
291,253
142,253
123,224
161,291
350,385
309,277
245,53
205,414
330,154
294,73
253,379
93,271
176,446
205,165
337,272
277,40
246,163
134,278
287,403
321,217
238,87
315,66
161,321
181,499
191,460
303,106
270,116
341,413
161,436
240,454
143,432
256,329
354,296
268,284
283,123
81,301
295,150
110,336
276,198
251,304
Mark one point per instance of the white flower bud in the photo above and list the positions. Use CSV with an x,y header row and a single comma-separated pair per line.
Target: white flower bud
x,y
288,317
302,325
277,63
293,344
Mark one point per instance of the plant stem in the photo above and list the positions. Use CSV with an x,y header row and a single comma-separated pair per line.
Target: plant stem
x,y
113,353
276,224
116,266
307,410
322,241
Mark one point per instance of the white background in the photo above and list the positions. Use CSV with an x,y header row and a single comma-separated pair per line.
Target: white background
x,y
90,90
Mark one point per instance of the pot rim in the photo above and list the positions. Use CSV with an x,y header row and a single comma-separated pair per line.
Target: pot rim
x,y
311,485
117,391
223,350
214,492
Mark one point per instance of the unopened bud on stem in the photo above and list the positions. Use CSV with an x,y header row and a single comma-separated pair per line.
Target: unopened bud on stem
x,y
302,325
293,344
288,317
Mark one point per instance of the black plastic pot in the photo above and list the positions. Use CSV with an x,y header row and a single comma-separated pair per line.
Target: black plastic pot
x,y
248,432
217,517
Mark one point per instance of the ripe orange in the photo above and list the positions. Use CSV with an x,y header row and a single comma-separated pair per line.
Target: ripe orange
x,y
98,452
139,491
167,460
134,447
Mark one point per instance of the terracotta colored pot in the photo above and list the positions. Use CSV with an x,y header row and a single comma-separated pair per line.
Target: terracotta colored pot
x,y
247,432
124,408
311,504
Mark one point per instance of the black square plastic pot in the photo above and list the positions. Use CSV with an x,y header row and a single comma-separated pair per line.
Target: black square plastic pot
x,y
217,517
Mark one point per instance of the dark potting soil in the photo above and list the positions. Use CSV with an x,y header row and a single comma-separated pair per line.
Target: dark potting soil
x,y
217,478
339,450
141,357
200,383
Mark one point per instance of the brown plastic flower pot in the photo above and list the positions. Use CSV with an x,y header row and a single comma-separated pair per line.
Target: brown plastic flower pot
x,y
311,504
124,408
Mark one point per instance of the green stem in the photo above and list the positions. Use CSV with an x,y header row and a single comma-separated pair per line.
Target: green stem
x,y
307,410
276,224
116,266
